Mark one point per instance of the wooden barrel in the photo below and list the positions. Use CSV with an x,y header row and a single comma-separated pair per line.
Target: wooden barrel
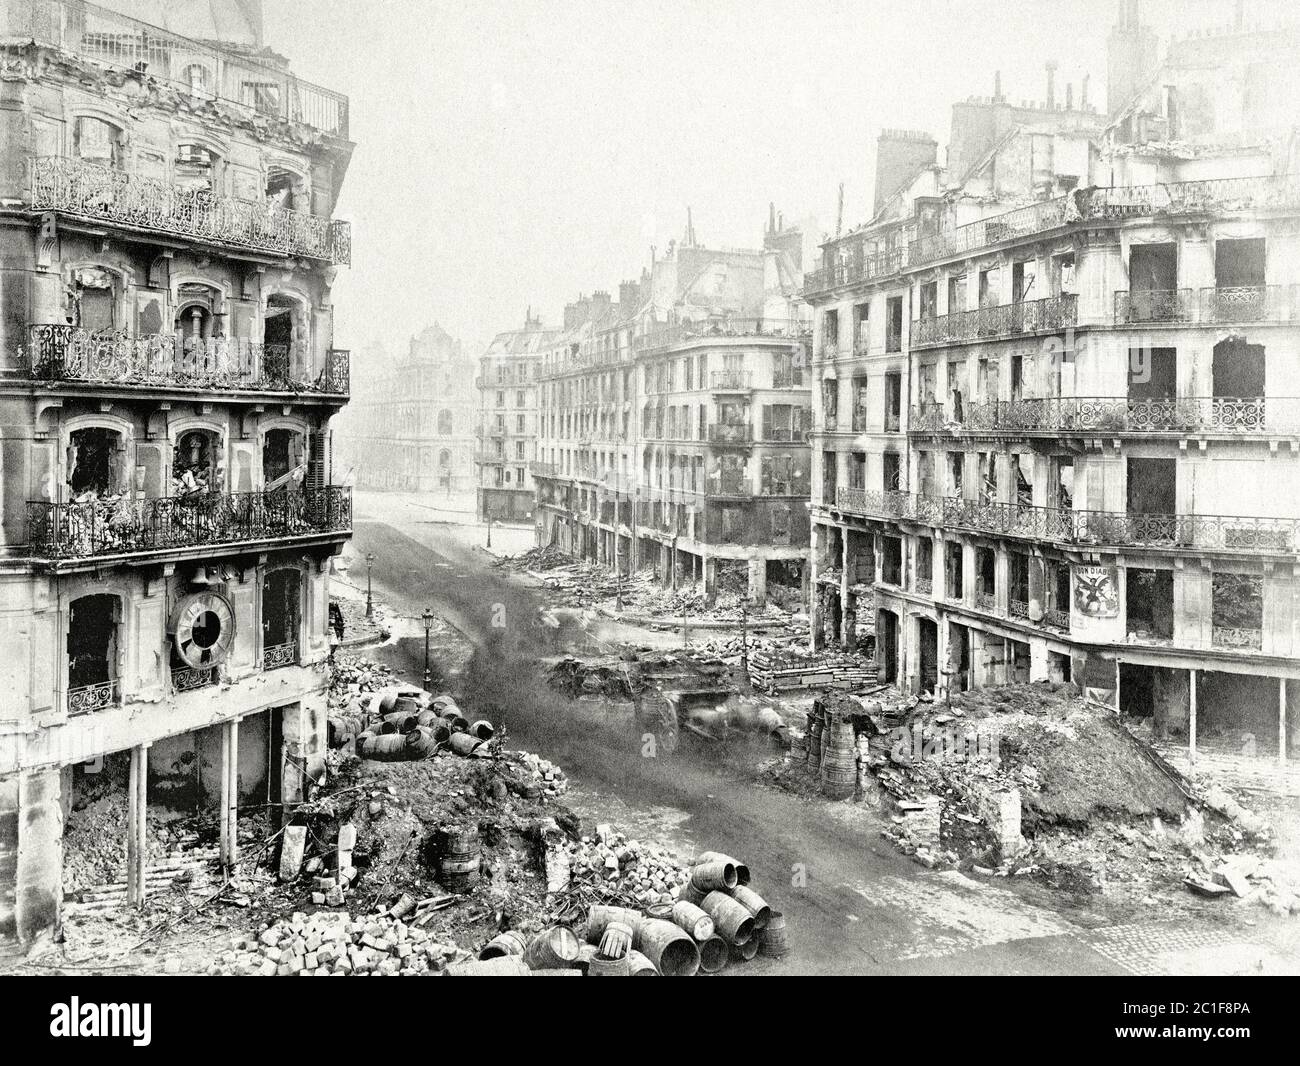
x,y
710,876
459,864
815,728
482,729
693,919
839,770
713,954
639,966
511,942
691,894
733,923
772,941
463,743
672,951
746,951
742,871
755,904
599,966
555,948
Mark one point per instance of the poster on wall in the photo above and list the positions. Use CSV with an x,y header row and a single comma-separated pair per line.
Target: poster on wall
x,y
1096,591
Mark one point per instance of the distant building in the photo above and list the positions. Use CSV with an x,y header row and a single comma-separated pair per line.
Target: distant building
x,y
673,422
507,421
411,426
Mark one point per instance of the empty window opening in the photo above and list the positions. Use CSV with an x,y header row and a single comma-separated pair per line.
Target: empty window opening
x,y
1149,603
1152,373
281,613
1152,486
891,560
1239,263
891,472
894,324
1237,610
96,463
985,575
893,402
284,459
953,563
92,647
1238,368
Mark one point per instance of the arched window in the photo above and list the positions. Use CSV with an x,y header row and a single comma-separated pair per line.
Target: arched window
x,y
199,78
444,423
197,463
444,458
284,459
196,167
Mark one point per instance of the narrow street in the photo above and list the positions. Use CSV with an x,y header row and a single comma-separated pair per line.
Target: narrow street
x,y
853,904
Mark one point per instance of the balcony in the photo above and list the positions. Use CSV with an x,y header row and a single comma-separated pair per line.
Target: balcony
x,y
187,67
1022,222
986,601
189,678
723,433
1236,638
1153,306
925,586
543,469
1227,533
66,531
853,269
683,332
86,699
102,194
71,355
1248,303
778,435
1209,196
730,380
1061,415
280,655
1056,618
1049,314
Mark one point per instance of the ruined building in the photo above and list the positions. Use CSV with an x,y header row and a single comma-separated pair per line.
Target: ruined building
x,y
1057,416
507,421
673,423
167,379
411,424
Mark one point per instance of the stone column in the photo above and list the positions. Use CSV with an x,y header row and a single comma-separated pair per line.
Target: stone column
x,y
758,581
31,857
136,825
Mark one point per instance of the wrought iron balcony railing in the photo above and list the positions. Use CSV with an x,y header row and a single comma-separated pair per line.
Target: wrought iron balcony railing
x,y
1005,320
86,699
104,194
1249,303
71,354
925,586
189,678
125,526
730,380
1057,618
1103,528
1244,415
779,435
722,433
1153,305
192,68
855,268
278,655
985,601
1022,222
543,469
1208,196
682,332
1236,637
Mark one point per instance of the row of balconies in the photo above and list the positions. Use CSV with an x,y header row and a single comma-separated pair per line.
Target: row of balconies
x,y
100,193
1219,533
1210,306
668,336
126,526
87,699
72,355
1059,415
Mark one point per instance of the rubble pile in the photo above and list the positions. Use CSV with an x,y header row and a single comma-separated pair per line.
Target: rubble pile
x,y
611,866
1032,780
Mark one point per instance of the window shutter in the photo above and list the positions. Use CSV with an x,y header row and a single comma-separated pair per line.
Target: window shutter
x,y
767,422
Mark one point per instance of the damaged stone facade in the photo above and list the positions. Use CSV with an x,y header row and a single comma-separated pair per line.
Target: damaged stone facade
x,y
674,423
1057,428
167,379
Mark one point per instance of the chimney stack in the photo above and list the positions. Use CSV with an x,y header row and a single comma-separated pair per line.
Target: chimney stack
x,y
1051,85
1069,96
1083,94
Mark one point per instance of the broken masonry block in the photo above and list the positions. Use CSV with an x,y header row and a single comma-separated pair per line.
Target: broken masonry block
x,y
291,851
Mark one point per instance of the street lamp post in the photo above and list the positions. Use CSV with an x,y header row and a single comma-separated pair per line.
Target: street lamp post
x,y
489,535
370,603
427,618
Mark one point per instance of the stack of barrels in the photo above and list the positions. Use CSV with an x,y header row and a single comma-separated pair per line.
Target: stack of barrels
x,y
832,751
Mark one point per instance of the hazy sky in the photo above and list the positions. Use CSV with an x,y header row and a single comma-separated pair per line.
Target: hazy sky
x,y
517,153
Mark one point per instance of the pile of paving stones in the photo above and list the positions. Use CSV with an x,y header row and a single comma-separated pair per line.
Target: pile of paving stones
x,y
335,943
645,871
